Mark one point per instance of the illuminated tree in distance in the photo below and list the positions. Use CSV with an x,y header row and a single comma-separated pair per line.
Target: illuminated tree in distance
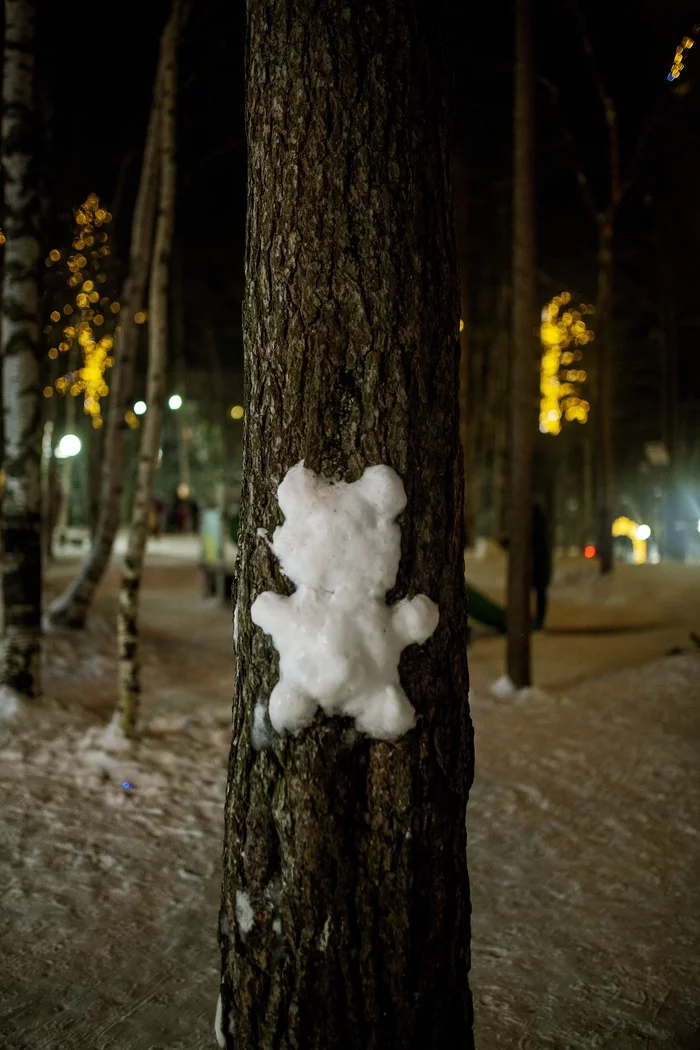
x,y
562,333
91,317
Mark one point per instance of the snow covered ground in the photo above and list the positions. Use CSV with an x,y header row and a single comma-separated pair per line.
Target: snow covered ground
x,y
584,837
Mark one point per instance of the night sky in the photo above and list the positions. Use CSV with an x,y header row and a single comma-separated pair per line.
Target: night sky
x,y
96,69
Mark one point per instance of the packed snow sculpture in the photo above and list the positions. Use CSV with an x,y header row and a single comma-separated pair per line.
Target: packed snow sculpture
x,y
339,643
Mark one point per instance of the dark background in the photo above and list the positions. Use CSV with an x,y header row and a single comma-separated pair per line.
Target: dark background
x,y
96,67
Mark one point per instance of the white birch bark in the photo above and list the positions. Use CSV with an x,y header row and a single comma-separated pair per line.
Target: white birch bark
x,y
126,713
71,608
20,519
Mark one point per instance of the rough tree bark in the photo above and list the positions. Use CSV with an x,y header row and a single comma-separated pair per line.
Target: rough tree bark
x,y
466,431
523,396
127,617
71,608
345,915
20,516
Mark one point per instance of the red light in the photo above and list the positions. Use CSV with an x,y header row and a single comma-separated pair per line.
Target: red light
x,y
589,551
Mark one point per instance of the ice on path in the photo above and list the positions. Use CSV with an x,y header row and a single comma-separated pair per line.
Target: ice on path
x,y
339,643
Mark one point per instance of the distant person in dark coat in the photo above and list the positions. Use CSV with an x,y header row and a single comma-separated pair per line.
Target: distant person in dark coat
x,y
541,561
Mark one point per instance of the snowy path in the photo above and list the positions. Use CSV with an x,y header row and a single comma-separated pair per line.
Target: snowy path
x,y
585,865
583,823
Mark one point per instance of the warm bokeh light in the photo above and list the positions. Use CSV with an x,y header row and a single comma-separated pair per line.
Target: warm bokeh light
x,y
677,66
237,412
84,270
561,329
638,534
140,317
589,551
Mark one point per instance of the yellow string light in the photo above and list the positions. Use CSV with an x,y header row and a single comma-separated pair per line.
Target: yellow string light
x,y
560,330
677,66
96,351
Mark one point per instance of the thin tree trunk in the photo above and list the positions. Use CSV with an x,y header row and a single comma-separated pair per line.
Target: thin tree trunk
x,y
605,300
605,352
345,918
71,608
588,491
466,433
20,517
523,411
96,453
66,468
127,617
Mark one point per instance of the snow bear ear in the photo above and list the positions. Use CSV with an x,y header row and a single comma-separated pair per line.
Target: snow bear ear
x,y
383,488
296,489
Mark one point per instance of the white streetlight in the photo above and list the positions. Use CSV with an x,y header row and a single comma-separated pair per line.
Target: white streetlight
x,y
643,532
68,446
175,402
140,407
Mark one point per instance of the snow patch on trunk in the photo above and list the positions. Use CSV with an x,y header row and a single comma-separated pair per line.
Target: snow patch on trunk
x,y
339,643
245,916
218,1026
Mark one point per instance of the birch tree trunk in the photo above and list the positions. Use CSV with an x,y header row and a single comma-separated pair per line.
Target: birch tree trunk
x,y
20,517
345,916
71,608
523,403
127,617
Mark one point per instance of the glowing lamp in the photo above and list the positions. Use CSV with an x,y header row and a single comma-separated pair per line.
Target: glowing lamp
x,y
140,408
643,532
175,402
589,551
68,446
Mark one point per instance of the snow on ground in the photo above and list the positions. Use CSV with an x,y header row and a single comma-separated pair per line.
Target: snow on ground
x,y
583,826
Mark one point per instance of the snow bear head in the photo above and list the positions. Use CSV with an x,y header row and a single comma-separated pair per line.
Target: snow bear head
x,y
340,537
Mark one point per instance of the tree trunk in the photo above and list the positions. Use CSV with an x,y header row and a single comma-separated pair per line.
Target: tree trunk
x,y
96,452
605,344
466,432
345,917
523,395
127,617
66,469
20,518
71,608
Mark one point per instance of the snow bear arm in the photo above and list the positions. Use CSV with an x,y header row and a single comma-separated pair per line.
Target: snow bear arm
x,y
415,619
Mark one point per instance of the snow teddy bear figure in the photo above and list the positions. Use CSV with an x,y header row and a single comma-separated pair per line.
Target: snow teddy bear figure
x,y
338,642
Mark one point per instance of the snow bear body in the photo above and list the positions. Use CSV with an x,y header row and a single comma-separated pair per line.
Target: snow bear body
x,y
339,643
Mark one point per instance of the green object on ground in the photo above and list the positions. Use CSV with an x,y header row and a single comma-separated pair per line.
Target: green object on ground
x,y
487,612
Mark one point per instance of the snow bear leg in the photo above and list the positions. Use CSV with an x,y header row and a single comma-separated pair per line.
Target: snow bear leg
x,y
388,715
290,710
